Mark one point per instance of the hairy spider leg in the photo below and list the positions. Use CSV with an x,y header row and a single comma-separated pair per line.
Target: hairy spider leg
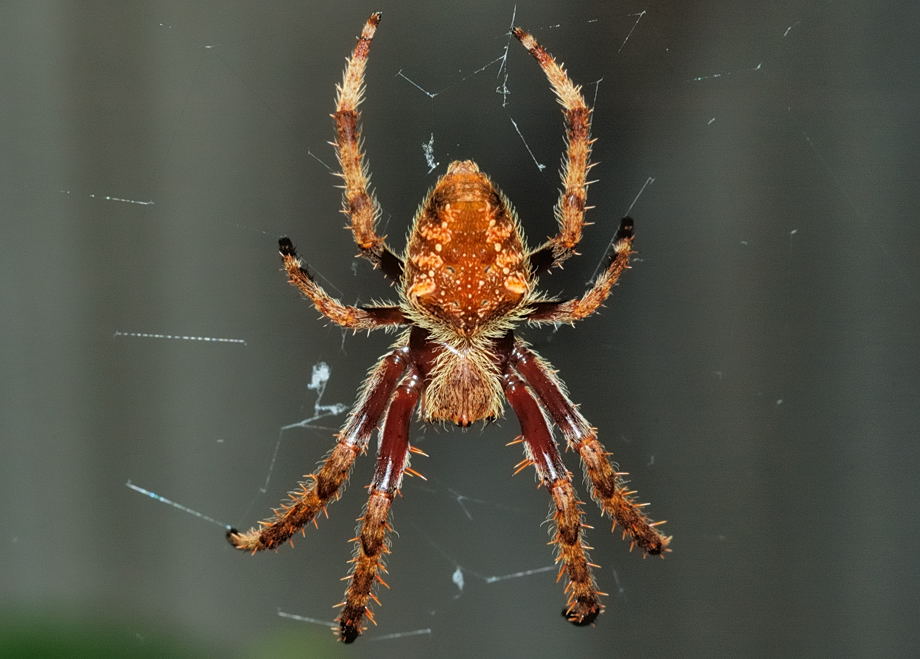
x,y
576,163
610,493
372,543
358,203
584,604
358,318
312,496
569,311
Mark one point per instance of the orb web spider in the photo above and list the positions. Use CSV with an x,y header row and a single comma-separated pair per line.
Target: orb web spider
x,y
465,280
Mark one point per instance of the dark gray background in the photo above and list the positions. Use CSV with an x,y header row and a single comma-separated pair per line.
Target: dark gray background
x,y
756,371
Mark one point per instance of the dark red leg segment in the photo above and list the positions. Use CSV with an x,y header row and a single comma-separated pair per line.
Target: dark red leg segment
x,y
372,543
541,450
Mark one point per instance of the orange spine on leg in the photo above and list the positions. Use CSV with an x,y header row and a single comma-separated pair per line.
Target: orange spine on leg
x,y
304,503
331,308
570,209
583,604
572,310
616,500
357,202
372,545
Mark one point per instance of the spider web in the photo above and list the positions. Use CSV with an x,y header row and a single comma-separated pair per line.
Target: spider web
x,y
758,356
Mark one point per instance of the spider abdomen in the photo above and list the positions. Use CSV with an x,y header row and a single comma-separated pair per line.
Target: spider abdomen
x,y
466,265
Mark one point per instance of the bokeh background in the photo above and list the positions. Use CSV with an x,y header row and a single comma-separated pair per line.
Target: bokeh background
x,y
756,371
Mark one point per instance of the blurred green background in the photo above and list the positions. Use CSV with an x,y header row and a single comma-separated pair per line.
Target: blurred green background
x,y
756,371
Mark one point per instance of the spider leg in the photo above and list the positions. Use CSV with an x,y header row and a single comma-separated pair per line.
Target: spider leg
x,y
610,493
570,209
568,311
358,318
358,203
584,599
309,498
372,542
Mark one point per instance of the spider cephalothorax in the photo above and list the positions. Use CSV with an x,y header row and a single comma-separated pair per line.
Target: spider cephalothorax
x,y
465,281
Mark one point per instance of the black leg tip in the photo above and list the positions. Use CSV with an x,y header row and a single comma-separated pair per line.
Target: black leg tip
x,y
625,230
349,633
580,620
541,260
621,240
286,247
582,612
230,534
655,551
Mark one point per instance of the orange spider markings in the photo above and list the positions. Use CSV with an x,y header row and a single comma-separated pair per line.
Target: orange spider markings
x,y
421,288
467,227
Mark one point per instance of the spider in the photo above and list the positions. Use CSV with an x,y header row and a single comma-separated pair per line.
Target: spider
x,y
465,281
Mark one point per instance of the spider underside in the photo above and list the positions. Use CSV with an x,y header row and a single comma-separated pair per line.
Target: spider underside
x,y
465,281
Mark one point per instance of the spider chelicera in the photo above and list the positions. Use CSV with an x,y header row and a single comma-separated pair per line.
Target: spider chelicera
x,y
465,281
